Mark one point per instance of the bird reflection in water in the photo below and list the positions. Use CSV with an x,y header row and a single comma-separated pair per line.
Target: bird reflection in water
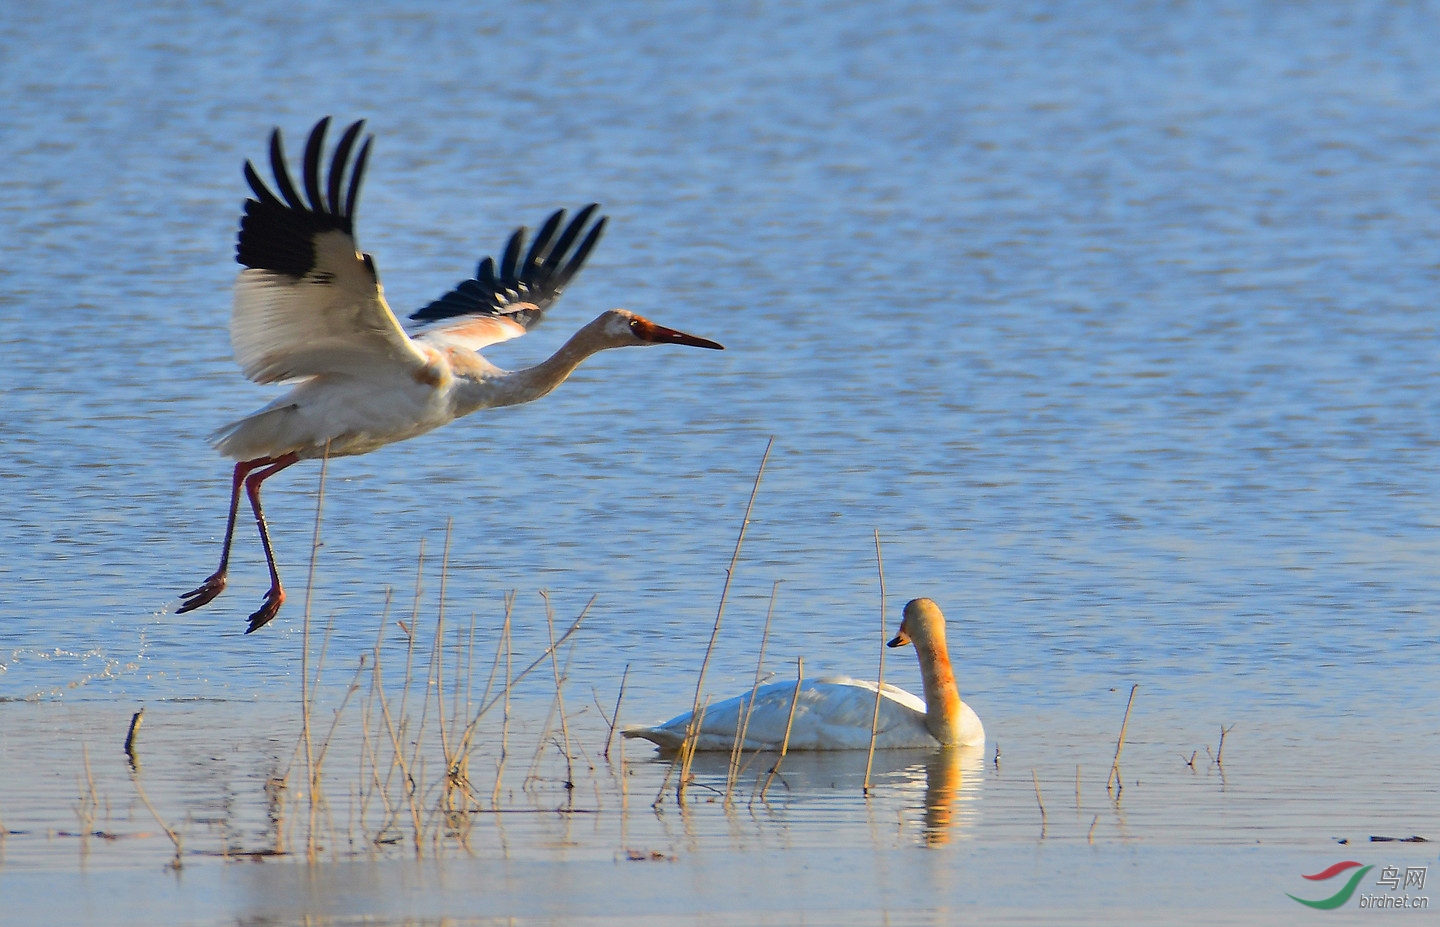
x,y
945,772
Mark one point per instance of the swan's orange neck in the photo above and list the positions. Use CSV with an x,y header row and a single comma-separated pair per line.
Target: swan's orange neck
x,y
942,696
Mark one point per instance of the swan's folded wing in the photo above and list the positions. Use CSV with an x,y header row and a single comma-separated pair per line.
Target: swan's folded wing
x,y
308,303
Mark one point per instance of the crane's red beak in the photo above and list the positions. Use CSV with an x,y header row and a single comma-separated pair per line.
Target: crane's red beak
x,y
647,330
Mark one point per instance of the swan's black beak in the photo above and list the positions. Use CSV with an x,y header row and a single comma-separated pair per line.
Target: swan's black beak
x,y
900,639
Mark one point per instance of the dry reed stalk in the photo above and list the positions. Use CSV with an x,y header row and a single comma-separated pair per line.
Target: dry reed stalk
x,y
559,693
880,673
89,799
457,795
505,693
686,755
1077,788
438,648
305,697
1090,836
410,635
624,789
316,771
505,715
350,690
468,676
367,714
687,748
494,661
732,773
785,742
434,682
434,667
175,839
532,772
397,760
512,681
457,764
742,722
610,736
1114,777
1040,800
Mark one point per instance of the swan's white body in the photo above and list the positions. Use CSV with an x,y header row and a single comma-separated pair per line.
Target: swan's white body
x,y
835,713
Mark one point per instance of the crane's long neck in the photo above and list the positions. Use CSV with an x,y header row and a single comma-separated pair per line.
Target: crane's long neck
x,y
514,387
942,696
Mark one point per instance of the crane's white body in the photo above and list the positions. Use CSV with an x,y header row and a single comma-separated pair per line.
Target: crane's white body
x,y
365,382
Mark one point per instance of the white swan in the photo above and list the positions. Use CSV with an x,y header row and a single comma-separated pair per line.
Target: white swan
x,y
835,713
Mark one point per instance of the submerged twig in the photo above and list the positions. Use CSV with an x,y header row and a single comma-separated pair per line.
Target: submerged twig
x,y
1220,750
130,736
610,735
1040,800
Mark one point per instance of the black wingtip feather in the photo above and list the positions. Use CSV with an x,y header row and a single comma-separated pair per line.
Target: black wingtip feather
x,y
572,231
357,172
581,253
540,247
282,172
339,163
511,261
312,164
536,281
277,233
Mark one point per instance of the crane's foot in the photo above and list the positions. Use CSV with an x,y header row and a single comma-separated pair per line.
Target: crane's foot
x,y
273,600
203,594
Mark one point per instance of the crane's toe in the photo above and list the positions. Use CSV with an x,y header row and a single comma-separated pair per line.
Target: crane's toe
x,y
202,594
268,610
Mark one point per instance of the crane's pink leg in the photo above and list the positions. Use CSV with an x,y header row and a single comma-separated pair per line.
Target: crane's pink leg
x,y
276,596
215,583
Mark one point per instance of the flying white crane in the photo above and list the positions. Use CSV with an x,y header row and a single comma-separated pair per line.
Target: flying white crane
x,y
309,308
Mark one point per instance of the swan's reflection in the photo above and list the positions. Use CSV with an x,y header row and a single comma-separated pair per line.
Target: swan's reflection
x,y
950,778
947,789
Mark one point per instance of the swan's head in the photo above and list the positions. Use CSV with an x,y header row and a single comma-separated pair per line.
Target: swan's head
x,y
923,625
621,327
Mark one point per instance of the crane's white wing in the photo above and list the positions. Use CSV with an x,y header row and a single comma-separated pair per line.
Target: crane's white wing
x,y
472,332
497,305
308,303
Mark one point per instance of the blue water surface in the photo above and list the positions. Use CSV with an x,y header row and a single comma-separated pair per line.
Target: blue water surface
x,y
1116,322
